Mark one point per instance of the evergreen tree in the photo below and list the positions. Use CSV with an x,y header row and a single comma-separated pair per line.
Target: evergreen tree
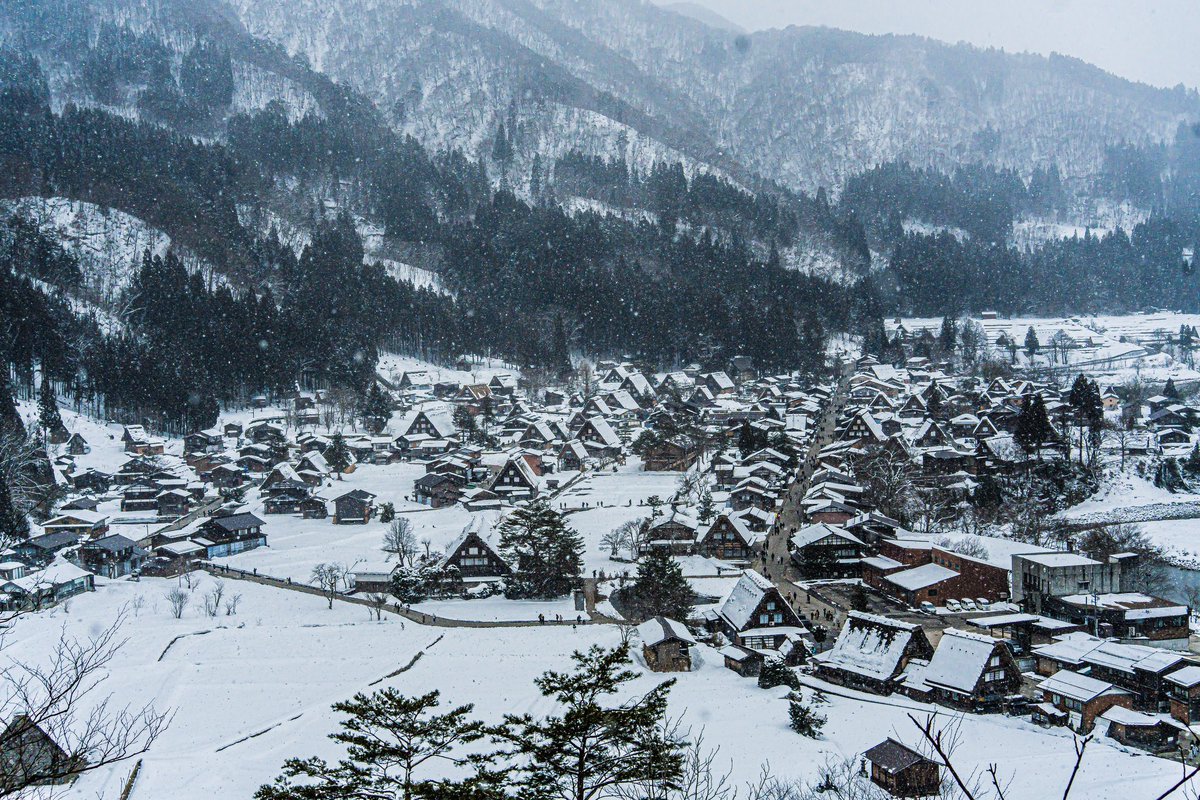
x,y
1032,345
660,590
394,746
948,338
1170,391
1033,426
546,556
776,673
707,508
10,418
376,409
595,747
49,419
803,719
14,525
1192,464
464,423
337,455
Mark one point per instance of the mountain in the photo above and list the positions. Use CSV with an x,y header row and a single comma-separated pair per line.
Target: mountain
x,y
803,106
704,14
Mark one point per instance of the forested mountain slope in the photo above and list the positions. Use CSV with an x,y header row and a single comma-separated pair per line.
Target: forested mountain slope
x,y
804,106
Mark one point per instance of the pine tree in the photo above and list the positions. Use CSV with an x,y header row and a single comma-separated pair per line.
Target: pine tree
x,y
14,525
1033,426
803,719
1192,463
707,508
396,746
376,409
1032,345
10,418
600,743
660,590
1170,391
48,417
776,673
337,455
948,338
546,556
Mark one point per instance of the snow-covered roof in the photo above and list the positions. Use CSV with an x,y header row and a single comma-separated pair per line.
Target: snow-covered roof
x,y
1058,559
660,629
869,645
921,577
959,660
1074,686
747,593
810,534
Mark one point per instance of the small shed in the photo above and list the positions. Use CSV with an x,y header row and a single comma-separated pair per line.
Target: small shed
x,y
666,645
902,771
355,506
30,757
741,660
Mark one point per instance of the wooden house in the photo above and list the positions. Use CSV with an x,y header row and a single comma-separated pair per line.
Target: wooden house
x,y
231,534
354,507
1082,698
438,490
77,445
1183,689
1139,729
755,614
967,671
675,531
669,456
112,556
826,551
475,558
729,537
872,652
666,645
313,507
572,456
29,757
516,480
902,771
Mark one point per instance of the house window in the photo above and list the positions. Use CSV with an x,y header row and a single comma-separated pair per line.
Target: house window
x,y
994,675
994,661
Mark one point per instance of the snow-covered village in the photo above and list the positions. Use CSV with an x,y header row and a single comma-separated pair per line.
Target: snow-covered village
x,y
599,400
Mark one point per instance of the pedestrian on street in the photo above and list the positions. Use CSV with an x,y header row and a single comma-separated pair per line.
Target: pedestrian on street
x,y
541,619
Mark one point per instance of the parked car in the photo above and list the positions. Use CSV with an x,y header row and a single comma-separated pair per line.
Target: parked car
x,y
953,606
928,607
967,603
984,605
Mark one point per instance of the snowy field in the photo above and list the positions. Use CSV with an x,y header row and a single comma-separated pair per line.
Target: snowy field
x,y
1110,348
271,672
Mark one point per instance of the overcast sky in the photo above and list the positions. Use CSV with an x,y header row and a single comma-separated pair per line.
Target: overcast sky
x,y
1154,41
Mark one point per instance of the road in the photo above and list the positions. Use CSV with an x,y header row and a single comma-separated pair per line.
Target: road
x,y
777,562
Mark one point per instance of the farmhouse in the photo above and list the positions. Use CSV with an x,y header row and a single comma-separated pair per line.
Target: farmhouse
x,y
666,645
872,652
756,616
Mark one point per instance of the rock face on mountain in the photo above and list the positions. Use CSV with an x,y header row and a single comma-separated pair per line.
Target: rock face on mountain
x,y
802,106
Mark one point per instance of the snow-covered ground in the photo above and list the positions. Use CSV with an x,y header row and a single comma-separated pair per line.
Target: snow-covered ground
x,y
1110,348
251,690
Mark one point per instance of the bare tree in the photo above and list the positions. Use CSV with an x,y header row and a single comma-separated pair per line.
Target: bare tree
x,y
51,697
213,597
231,604
889,477
379,602
178,599
400,541
326,577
